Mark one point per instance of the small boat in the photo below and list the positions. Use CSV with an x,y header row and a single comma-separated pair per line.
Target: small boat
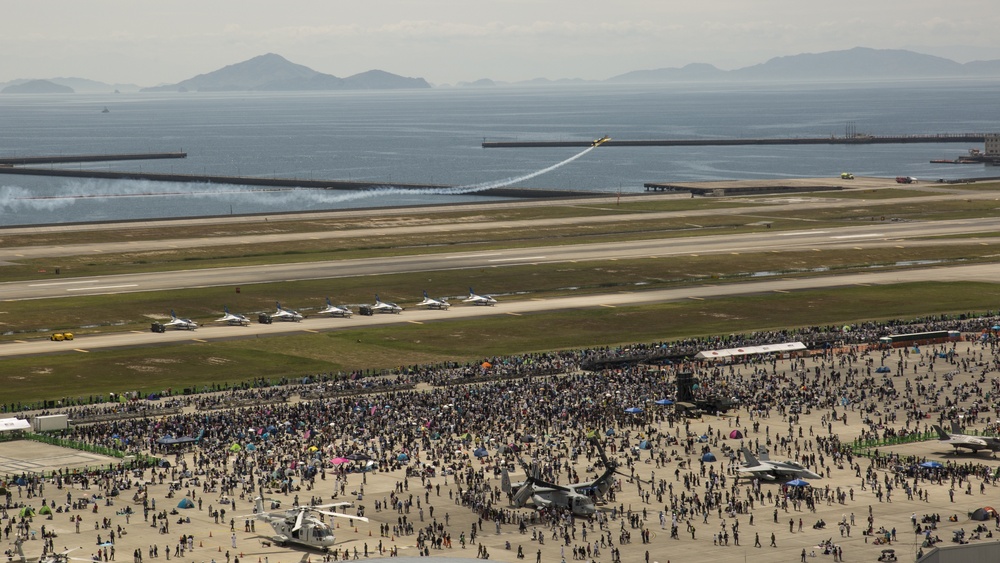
x,y
105,110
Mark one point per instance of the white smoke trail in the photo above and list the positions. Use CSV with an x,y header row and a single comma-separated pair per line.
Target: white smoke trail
x,y
15,198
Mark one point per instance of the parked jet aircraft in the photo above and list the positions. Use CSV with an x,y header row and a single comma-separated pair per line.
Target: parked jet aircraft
x,y
185,324
335,311
434,303
385,307
233,320
768,470
286,314
479,299
974,443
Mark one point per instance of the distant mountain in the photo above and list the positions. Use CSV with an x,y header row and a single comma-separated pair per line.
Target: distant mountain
x,y
273,73
691,72
37,87
85,86
856,63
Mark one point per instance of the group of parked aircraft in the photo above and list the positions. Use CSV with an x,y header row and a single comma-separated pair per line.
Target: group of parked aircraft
x,y
342,311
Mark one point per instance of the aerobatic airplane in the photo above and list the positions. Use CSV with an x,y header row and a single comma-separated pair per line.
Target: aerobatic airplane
x,y
286,314
601,141
434,303
233,320
335,311
184,324
385,307
479,299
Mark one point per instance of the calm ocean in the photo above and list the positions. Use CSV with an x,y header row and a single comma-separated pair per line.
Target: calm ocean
x,y
434,136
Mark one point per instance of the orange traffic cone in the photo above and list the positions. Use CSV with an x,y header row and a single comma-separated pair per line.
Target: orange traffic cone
x,y
369,533
220,549
210,533
200,544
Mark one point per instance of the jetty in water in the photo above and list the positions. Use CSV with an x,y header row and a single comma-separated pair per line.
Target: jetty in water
x,y
708,142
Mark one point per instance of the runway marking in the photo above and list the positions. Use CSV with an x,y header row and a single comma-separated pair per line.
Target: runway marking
x,y
516,259
863,284
858,248
802,233
415,322
859,236
608,306
62,283
697,298
199,340
310,330
984,244
81,350
98,250
472,256
138,331
513,313
900,246
817,250
102,287
19,255
781,291
694,255
21,341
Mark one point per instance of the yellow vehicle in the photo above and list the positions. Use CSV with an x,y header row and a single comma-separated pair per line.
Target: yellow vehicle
x,y
68,335
60,336
846,176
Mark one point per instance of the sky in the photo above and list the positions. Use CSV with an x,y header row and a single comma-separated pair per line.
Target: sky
x,y
448,41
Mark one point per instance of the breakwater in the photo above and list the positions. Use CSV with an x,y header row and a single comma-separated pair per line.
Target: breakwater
x,y
853,140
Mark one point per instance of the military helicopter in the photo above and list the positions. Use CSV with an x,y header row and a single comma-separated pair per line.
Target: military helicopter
x,y
577,497
297,526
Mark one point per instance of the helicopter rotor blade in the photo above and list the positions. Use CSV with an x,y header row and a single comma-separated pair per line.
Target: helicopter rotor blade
x,y
298,521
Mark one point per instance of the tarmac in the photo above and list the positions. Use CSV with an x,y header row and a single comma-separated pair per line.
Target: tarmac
x,y
213,540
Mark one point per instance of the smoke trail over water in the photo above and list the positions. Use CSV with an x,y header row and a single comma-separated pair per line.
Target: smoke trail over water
x,y
16,198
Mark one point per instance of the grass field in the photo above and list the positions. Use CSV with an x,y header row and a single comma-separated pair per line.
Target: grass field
x,y
201,364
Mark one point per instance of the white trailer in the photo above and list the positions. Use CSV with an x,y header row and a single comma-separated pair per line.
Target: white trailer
x,y
50,422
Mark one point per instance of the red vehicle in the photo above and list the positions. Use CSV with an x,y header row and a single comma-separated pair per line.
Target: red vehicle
x,y
905,179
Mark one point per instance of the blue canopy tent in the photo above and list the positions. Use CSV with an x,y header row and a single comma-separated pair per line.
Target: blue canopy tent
x,y
480,452
663,402
185,503
633,410
708,456
797,483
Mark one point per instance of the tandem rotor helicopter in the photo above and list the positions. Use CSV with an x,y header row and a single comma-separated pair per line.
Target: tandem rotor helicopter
x,y
299,527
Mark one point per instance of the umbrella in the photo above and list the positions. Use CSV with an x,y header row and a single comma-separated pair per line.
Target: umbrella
x,y
313,448
480,452
645,445
797,483
633,410
403,457
527,438
882,369
736,435
356,457
995,327
931,465
250,447
708,456
339,460
664,402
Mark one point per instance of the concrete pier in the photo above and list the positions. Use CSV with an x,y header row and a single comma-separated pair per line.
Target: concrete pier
x,y
67,159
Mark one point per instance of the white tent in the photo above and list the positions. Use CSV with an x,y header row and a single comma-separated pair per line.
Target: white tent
x,y
9,424
784,347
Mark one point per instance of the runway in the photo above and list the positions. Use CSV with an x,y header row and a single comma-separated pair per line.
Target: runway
x,y
980,273
862,236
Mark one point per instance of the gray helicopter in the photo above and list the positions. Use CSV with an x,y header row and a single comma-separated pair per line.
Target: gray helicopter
x,y
298,526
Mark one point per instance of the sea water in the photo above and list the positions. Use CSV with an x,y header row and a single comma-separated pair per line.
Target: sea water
x,y
434,137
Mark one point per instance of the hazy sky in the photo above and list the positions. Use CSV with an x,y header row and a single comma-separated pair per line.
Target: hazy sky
x,y
445,41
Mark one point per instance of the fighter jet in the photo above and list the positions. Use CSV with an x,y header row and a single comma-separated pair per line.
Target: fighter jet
x,y
974,443
768,470
434,303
